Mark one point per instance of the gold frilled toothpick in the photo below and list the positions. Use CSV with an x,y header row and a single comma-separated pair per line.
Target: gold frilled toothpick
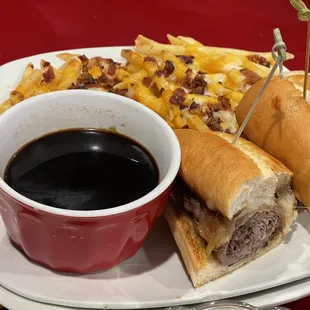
x,y
304,15
279,58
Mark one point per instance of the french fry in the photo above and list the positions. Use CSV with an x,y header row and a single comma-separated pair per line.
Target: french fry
x,y
16,97
69,73
195,122
67,57
149,46
190,41
121,74
29,69
156,57
174,40
162,83
167,78
179,122
28,85
133,57
5,105
234,80
200,99
146,97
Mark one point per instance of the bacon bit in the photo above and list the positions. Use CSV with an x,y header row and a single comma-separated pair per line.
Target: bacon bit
x,y
121,92
186,59
73,86
108,60
178,96
157,92
169,68
200,90
195,108
104,79
149,58
45,63
147,81
224,103
250,76
83,59
194,105
88,79
197,85
48,75
112,68
187,81
259,60
214,123
199,80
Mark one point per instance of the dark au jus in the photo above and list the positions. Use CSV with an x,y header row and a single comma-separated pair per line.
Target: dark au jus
x,y
82,169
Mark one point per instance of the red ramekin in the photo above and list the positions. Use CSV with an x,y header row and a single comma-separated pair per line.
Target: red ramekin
x,y
84,241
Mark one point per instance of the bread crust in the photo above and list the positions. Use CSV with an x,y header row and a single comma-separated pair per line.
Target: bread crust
x,y
297,77
280,125
274,164
207,159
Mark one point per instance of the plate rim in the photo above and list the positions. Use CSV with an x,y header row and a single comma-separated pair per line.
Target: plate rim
x,y
291,292
74,50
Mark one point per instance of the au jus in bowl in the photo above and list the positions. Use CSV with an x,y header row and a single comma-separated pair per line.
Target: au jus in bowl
x,y
82,169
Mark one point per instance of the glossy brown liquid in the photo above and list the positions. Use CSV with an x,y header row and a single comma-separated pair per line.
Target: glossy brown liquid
x,y
82,169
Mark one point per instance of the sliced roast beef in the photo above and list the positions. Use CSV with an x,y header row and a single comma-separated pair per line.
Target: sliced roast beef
x,y
249,238
236,240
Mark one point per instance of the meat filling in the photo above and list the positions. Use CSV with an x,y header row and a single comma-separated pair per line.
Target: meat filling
x,y
230,241
249,238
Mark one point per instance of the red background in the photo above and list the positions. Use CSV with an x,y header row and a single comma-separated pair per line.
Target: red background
x,y
34,26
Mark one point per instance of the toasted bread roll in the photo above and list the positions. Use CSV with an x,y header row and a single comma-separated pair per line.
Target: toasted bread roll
x,y
280,125
231,204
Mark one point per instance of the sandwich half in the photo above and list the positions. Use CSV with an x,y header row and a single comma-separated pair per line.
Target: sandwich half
x,y
229,205
280,124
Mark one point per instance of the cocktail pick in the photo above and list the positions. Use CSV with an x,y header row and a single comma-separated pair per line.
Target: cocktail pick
x,y
279,58
304,15
300,206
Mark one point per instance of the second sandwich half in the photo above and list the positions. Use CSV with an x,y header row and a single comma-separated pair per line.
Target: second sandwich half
x,y
229,205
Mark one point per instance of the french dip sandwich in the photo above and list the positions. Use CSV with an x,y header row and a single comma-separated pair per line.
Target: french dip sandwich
x,y
280,125
230,204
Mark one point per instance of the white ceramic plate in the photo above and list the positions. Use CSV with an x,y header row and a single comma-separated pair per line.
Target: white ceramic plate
x,y
155,276
272,297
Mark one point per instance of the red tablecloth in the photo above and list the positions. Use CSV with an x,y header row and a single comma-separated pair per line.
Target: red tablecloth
x,y
35,26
